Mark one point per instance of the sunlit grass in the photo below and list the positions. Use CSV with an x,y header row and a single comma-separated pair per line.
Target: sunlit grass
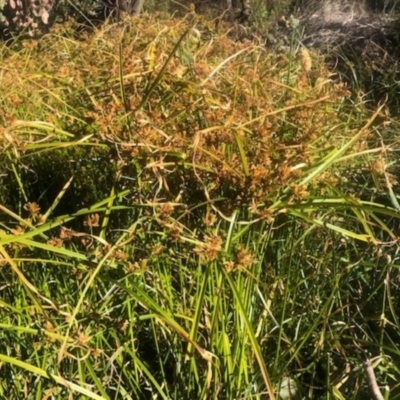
x,y
186,216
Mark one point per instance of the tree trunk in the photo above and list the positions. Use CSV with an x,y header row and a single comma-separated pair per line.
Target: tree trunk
x,y
130,6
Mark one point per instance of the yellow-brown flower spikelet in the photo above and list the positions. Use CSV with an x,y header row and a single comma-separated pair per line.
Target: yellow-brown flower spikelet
x,y
210,248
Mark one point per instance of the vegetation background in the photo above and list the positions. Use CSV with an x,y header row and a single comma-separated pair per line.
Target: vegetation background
x,y
198,206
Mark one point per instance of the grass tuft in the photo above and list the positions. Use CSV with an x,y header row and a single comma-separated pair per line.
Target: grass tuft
x,y
183,215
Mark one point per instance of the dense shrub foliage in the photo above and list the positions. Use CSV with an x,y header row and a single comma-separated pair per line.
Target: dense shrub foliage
x,y
33,17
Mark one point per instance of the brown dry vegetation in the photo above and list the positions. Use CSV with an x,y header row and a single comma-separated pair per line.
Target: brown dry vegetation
x,y
238,125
